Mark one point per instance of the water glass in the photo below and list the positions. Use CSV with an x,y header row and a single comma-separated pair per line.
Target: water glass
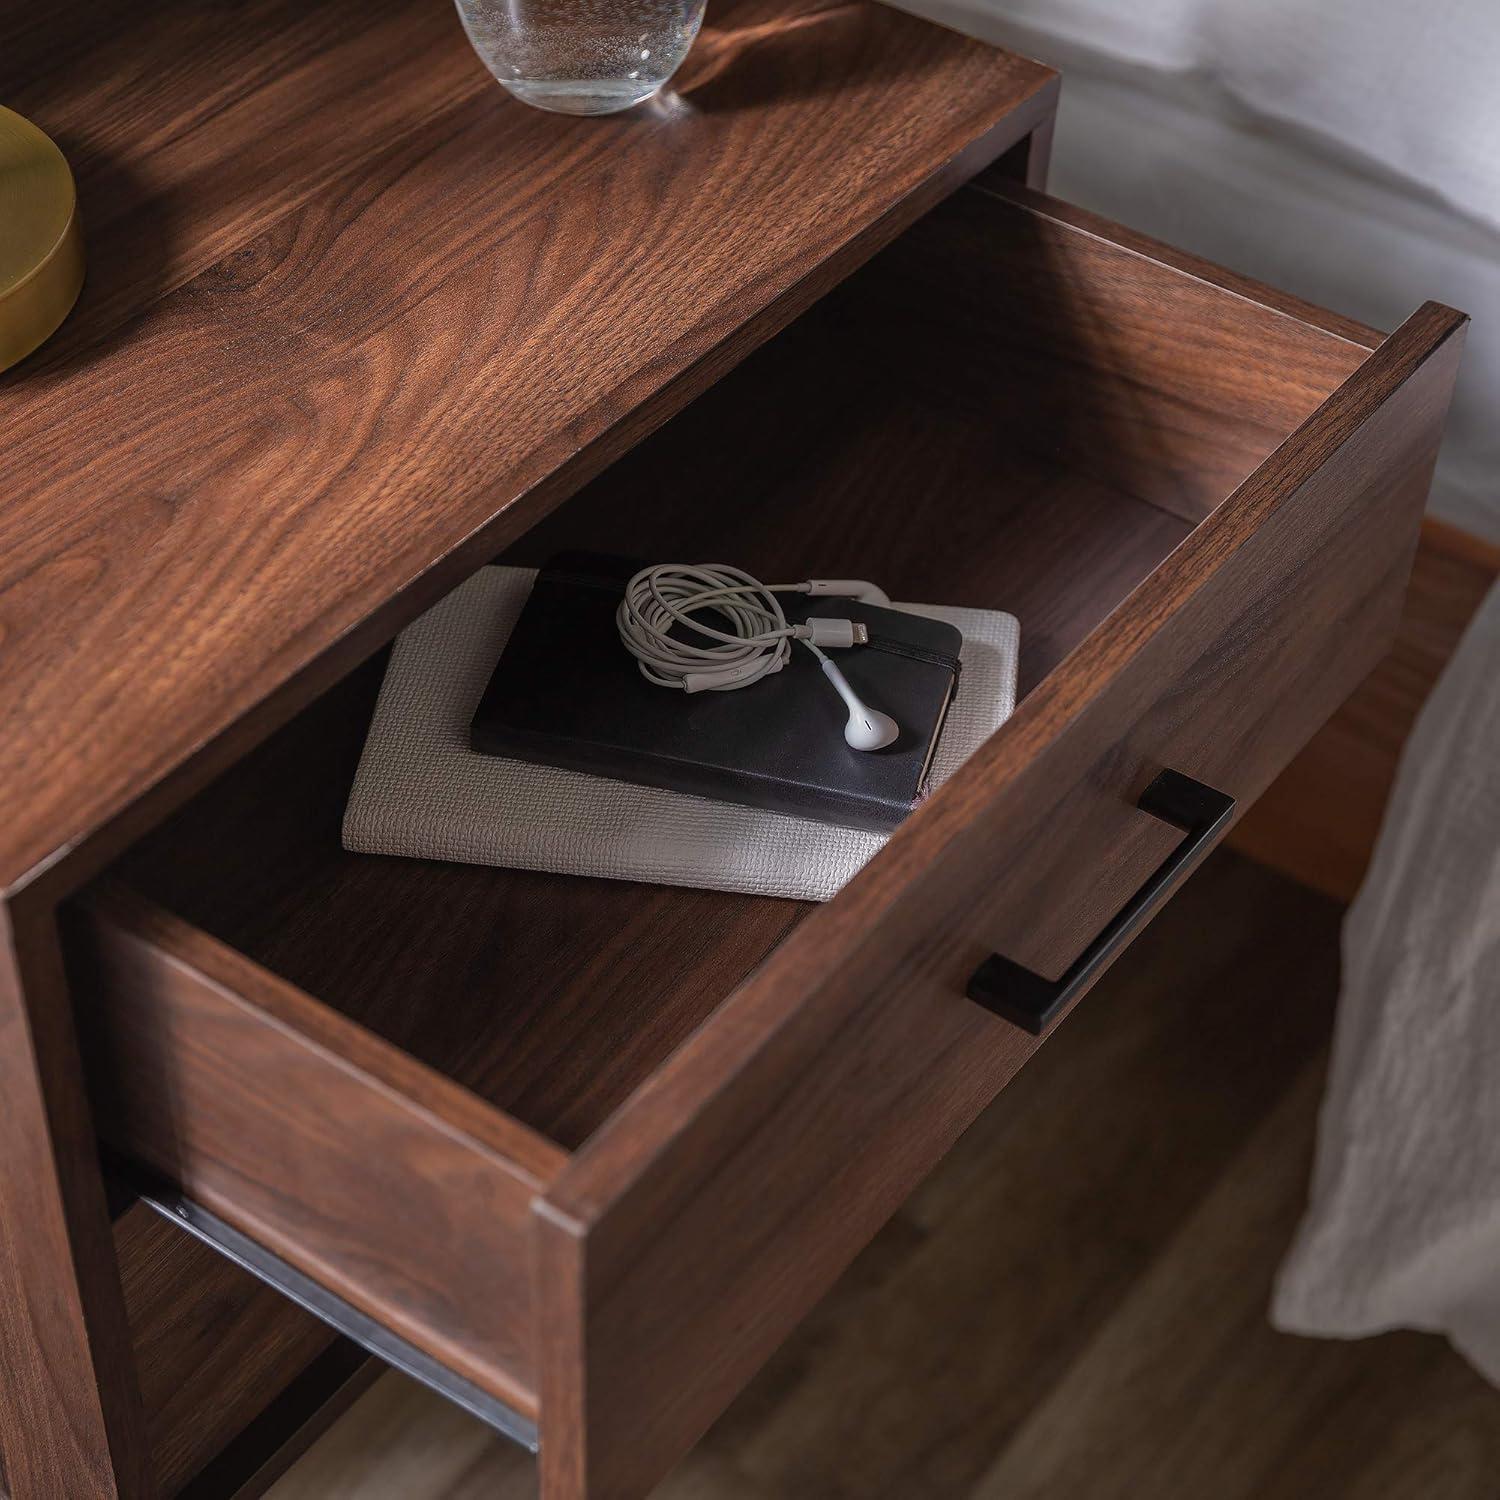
x,y
582,57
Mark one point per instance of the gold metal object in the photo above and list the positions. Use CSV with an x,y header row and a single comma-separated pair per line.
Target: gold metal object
x,y
41,249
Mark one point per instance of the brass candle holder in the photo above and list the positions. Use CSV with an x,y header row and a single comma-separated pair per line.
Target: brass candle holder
x,y
41,248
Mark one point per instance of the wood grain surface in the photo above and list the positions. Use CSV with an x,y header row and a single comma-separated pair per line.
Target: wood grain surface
x,y
695,1228
555,998
1072,1307
724,1176
854,453
1319,820
212,1345
71,1420
353,316
327,370
1076,345
371,317
386,1183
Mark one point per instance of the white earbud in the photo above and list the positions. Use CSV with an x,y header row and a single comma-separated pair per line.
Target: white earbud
x,y
868,728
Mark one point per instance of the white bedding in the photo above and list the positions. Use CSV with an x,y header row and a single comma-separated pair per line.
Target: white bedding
x,y
1403,1230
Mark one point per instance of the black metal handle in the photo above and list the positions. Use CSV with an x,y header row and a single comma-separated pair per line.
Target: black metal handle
x,y
1029,1000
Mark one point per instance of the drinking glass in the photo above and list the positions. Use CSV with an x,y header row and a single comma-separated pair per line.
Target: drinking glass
x,y
582,57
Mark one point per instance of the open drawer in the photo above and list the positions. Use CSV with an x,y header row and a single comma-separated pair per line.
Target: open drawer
x,y
593,1148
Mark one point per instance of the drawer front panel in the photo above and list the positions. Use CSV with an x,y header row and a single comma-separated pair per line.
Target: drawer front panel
x,y
688,1237
383,1182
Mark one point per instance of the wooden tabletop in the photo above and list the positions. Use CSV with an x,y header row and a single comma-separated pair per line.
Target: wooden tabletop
x,y
355,317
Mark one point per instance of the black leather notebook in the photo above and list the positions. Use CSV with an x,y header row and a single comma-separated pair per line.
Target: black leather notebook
x,y
567,693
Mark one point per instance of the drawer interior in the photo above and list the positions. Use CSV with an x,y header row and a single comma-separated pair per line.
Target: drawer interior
x,y
1007,409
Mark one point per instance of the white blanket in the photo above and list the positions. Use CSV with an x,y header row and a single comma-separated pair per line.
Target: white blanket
x,y
1403,1230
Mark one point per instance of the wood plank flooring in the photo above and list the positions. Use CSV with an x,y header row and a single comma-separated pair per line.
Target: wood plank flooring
x,y
1073,1306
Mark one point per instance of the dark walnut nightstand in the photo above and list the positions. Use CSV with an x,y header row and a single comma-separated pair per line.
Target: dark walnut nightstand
x,y
582,1153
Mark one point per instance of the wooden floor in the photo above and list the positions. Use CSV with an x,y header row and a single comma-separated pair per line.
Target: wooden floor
x,y
1073,1306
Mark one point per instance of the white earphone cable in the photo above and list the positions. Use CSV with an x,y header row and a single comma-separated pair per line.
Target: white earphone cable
x,y
669,595
758,640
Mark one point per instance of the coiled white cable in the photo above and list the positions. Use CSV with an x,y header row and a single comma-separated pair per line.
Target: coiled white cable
x,y
757,643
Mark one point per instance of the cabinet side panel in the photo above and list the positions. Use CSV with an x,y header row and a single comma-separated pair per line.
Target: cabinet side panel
x,y
70,1410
